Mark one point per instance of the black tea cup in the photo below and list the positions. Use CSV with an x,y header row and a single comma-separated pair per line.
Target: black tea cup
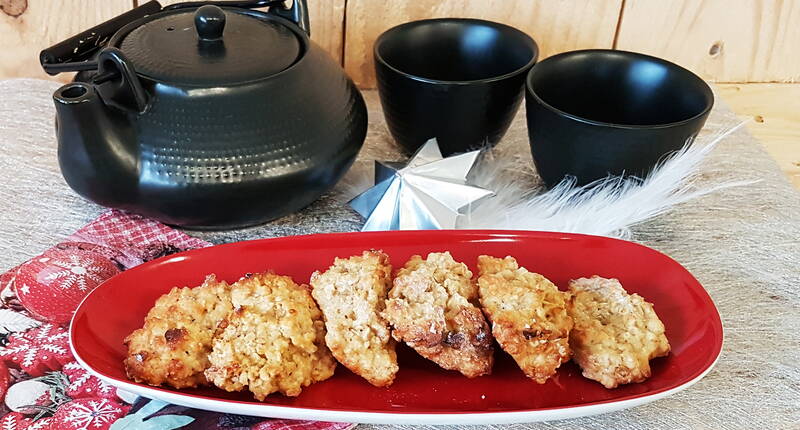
x,y
594,113
457,80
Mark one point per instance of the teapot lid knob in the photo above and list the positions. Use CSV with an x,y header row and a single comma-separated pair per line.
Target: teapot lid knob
x,y
209,20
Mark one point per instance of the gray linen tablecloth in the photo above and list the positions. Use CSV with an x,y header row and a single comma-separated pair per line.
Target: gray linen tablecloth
x,y
743,244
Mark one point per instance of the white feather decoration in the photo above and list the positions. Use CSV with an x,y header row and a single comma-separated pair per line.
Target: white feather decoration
x,y
608,207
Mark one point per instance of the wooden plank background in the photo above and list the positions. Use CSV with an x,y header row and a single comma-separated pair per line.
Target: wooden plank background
x,y
722,40
773,111
28,26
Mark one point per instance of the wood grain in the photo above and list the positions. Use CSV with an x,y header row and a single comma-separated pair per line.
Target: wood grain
x,y
326,19
327,25
28,26
721,40
556,26
774,114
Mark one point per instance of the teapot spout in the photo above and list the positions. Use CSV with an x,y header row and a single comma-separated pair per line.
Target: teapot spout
x,y
96,146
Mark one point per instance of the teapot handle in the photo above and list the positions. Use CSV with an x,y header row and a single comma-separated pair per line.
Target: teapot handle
x,y
298,14
75,54
117,82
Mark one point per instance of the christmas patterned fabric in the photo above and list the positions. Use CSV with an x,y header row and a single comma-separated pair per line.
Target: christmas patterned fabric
x,y
52,285
82,384
17,421
41,384
91,413
38,350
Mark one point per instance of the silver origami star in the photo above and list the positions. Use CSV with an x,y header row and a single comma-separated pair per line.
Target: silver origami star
x,y
427,193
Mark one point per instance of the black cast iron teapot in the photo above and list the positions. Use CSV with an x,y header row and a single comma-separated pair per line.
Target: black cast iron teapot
x,y
204,114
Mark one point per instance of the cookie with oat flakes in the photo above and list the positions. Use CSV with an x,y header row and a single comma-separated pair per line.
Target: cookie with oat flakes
x,y
431,308
352,296
173,345
528,315
272,341
616,334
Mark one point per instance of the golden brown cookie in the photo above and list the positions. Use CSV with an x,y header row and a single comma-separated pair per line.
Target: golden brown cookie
x,y
431,308
528,315
352,295
616,334
173,345
272,341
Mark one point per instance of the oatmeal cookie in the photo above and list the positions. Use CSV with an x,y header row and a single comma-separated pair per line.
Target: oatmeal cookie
x,y
616,334
272,341
352,295
528,315
173,345
431,307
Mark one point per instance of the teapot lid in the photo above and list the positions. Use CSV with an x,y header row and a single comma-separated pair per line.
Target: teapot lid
x,y
210,46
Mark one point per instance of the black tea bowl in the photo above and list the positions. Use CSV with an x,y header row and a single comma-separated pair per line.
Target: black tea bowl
x,y
457,80
594,113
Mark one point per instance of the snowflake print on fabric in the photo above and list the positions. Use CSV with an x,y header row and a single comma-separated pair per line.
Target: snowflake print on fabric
x,y
73,270
14,421
82,384
88,414
42,424
17,421
105,251
52,285
38,350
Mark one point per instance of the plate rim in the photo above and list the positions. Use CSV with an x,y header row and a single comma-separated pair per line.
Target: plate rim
x,y
401,417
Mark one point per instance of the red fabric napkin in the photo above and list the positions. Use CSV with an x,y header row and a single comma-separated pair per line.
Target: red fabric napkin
x,y
35,354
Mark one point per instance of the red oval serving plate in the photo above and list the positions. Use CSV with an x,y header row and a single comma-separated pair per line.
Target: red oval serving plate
x,y
422,392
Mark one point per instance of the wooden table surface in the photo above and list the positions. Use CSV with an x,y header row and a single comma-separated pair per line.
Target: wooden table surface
x,y
774,113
